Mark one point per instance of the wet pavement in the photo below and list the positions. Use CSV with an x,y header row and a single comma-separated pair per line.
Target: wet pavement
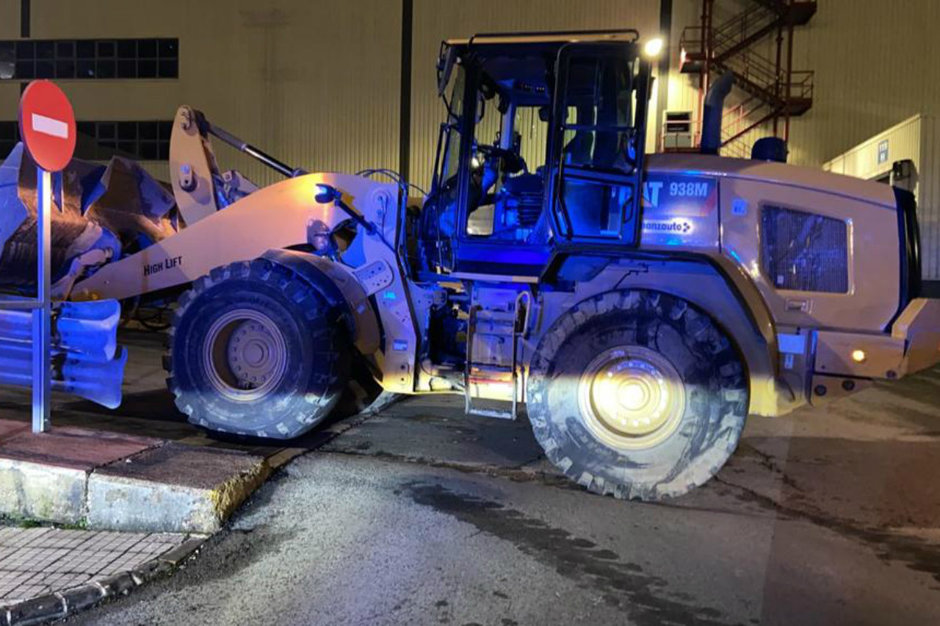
x,y
424,516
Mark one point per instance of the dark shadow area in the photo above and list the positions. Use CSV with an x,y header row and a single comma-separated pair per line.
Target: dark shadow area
x,y
435,429
930,289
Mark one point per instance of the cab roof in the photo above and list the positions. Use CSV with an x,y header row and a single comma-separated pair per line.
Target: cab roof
x,y
518,61
547,39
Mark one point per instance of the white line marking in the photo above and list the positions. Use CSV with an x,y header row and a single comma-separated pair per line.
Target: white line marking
x,y
50,126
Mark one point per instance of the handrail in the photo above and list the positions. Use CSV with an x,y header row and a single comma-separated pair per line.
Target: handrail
x,y
557,33
772,89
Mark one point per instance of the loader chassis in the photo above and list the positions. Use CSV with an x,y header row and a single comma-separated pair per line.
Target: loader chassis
x,y
639,307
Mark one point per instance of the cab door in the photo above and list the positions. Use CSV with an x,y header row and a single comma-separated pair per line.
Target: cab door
x,y
598,136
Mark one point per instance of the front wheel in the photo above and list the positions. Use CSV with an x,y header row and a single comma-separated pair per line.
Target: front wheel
x,y
637,394
255,350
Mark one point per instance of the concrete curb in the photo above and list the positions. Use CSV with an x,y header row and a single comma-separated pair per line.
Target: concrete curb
x,y
62,604
159,487
173,488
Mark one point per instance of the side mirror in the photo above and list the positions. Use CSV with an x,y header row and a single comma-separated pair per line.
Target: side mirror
x,y
326,194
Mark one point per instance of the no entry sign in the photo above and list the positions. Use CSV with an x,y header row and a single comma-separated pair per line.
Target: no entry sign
x,y
47,125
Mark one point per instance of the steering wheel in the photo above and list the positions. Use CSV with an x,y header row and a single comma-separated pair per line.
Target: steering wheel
x,y
510,162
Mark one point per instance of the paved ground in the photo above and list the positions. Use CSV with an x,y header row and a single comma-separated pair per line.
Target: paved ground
x,y
39,561
424,516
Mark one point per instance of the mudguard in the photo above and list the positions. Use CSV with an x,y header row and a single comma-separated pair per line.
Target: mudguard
x,y
340,288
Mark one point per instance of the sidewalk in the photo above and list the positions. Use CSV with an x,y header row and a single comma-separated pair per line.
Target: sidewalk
x,y
140,469
107,481
48,573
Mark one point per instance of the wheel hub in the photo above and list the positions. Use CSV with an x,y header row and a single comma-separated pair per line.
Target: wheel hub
x,y
246,354
631,397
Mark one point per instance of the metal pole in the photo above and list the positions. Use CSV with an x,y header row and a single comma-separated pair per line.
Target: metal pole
x,y
786,95
42,322
404,95
704,76
777,79
662,84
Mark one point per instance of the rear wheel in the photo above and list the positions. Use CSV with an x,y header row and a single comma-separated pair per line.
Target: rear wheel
x,y
255,350
637,394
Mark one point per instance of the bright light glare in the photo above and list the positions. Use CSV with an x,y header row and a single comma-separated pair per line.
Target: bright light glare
x,y
653,47
632,397
858,356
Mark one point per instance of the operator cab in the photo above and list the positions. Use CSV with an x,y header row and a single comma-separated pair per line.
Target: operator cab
x,y
542,149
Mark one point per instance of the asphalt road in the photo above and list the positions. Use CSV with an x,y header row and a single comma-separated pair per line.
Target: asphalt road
x,y
423,516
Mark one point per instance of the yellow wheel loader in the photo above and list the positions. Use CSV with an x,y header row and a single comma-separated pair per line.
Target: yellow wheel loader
x,y
640,306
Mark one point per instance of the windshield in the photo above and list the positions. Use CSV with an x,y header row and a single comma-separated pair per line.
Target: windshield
x,y
450,149
598,113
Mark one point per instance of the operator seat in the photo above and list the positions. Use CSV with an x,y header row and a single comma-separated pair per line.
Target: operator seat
x,y
610,113
578,150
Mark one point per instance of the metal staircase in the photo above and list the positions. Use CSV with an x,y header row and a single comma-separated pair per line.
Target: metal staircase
x,y
772,92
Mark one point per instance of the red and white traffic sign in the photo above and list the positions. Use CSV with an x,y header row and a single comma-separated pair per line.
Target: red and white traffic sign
x,y
47,125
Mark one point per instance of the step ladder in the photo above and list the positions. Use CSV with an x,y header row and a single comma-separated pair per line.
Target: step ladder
x,y
495,372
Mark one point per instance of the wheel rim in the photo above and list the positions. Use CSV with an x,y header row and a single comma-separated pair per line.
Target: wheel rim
x,y
631,397
245,355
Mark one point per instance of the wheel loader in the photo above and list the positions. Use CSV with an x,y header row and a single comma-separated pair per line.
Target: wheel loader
x,y
639,306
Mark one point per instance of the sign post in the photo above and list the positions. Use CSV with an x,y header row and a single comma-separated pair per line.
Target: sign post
x,y
47,126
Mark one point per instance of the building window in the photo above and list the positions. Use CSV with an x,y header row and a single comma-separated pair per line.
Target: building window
x,y
99,141
9,135
27,59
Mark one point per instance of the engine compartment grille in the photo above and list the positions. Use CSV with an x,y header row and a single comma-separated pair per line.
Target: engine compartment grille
x,y
804,251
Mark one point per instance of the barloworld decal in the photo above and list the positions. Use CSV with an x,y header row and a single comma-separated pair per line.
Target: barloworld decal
x,y
673,226
680,209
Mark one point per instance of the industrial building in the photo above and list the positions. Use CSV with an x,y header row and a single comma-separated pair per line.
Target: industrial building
x,y
491,312
347,85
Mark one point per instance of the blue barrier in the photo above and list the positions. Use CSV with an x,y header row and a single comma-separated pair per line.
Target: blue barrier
x,y
86,360
85,327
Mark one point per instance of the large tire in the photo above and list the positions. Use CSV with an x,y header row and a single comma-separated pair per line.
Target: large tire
x,y
255,350
637,394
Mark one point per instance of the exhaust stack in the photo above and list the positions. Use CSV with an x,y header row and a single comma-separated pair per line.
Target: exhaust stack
x,y
711,116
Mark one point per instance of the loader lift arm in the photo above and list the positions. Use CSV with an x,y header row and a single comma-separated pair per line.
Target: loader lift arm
x,y
243,146
199,186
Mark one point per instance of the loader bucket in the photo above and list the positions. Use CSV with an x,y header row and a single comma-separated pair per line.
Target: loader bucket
x,y
116,208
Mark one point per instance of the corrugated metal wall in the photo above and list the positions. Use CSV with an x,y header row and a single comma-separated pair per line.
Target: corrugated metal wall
x,y
9,29
435,20
915,138
903,141
682,94
317,83
928,195
313,83
875,65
